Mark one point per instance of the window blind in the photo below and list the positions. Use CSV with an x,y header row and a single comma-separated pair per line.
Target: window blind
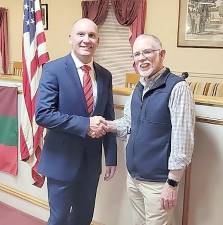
x,y
114,51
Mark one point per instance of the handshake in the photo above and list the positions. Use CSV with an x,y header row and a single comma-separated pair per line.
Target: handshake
x,y
99,127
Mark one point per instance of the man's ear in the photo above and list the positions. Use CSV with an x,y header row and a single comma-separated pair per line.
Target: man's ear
x,y
69,39
163,53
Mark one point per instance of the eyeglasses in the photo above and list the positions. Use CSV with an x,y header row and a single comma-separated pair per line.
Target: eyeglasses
x,y
146,53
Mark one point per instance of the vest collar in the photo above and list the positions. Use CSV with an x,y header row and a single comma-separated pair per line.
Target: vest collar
x,y
161,80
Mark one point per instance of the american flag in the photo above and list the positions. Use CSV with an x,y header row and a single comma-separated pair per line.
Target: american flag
x,y
34,55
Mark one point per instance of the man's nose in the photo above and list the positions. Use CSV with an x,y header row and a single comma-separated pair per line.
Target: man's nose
x,y
142,56
86,38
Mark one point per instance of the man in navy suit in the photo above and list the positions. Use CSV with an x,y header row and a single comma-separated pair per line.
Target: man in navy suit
x,y
71,157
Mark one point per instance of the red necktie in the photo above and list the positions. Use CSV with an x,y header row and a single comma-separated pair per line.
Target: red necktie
x,y
87,88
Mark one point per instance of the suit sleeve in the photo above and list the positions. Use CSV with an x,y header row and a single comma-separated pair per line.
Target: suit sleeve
x,y
109,141
47,113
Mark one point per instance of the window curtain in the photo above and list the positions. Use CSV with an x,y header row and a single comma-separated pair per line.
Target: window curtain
x,y
125,11
138,25
130,13
95,10
4,39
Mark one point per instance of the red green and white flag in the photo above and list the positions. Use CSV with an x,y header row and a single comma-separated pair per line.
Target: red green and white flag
x,y
8,130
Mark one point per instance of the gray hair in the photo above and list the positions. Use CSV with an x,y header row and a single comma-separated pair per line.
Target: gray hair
x,y
151,36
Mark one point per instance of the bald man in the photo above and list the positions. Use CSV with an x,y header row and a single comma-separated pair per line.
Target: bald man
x,y
74,97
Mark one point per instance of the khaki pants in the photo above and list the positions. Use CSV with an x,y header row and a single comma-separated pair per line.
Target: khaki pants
x,y
145,201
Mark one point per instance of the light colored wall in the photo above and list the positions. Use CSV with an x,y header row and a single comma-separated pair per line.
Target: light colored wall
x,y
162,20
61,15
14,28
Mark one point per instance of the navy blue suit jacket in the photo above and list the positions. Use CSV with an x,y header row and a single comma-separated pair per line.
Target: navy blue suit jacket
x,y
61,108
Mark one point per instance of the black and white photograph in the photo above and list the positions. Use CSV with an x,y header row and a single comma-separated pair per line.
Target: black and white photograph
x,y
44,12
200,23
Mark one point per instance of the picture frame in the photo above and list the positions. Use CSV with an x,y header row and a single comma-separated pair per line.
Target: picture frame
x,y
44,12
200,24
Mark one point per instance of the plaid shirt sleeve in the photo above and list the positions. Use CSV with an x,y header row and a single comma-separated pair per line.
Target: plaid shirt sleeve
x,y
182,112
124,123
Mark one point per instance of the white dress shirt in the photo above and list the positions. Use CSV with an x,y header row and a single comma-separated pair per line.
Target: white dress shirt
x,y
79,64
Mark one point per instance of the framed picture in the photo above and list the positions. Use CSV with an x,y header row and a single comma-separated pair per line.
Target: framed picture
x,y
44,12
200,23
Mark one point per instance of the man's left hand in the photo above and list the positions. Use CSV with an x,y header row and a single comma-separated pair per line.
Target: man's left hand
x,y
169,197
110,172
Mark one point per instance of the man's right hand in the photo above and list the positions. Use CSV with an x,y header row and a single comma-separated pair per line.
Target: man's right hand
x,y
169,197
98,127
111,126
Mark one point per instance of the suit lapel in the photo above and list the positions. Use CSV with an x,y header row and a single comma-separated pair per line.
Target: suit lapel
x,y
72,71
99,80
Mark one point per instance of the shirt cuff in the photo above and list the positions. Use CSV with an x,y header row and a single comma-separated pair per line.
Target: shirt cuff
x,y
178,163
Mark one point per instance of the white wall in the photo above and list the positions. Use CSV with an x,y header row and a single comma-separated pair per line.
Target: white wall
x,y
112,205
206,200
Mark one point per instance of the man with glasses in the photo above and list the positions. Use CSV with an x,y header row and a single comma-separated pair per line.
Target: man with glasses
x,y
159,118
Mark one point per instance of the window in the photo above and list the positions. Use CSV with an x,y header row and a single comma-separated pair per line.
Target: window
x,y
114,51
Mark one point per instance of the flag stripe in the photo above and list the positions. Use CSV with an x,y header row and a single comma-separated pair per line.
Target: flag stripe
x,y
9,133
38,16
41,39
43,58
8,95
8,130
34,66
9,159
24,148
